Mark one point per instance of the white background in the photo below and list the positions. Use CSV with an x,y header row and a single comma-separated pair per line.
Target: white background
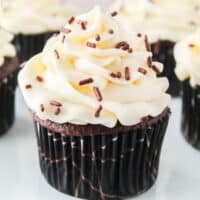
x,y
20,177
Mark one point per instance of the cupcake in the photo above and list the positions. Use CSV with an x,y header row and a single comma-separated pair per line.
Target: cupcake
x,y
165,22
8,70
187,54
32,22
100,110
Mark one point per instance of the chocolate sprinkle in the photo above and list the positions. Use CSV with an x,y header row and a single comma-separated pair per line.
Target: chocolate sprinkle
x,y
28,86
142,70
119,74
98,111
124,45
42,108
39,78
98,38
149,62
147,45
63,38
111,31
155,69
116,75
65,30
57,111
113,75
130,50
71,20
83,24
127,73
86,81
114,13
55,103
56,54
97,93
91,45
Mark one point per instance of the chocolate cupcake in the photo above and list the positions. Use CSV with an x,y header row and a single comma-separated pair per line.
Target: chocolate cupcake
x,y
8,70
100,110
32,22
165,22
187,54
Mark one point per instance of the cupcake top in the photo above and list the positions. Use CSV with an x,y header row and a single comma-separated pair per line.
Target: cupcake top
x,y
94,72
187,54
160,19
7,50
34,16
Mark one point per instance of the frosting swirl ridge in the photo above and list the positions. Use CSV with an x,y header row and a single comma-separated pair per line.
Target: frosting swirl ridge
x,y
95,73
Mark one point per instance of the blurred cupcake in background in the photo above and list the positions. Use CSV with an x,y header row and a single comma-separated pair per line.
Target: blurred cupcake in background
x,y
187,54
32,22
100,110
165,22
8,73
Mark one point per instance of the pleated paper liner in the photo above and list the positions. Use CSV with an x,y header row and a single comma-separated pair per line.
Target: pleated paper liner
x,y
7,102
102,167
163,52
29,45
191,114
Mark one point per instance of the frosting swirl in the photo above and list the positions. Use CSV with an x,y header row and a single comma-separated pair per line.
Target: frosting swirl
x,y
7,50
187,54
33,17
160,19
94,72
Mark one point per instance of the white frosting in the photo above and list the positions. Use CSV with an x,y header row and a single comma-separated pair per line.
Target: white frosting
x,y
7,50
187,54
34,16
126,101
160,19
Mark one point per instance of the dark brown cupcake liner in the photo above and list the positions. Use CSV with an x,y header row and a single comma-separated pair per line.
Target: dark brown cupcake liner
x,y
102,167
163,52
29,45
191,114
7,102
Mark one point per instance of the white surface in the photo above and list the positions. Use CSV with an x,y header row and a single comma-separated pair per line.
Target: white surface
x,y
20,177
